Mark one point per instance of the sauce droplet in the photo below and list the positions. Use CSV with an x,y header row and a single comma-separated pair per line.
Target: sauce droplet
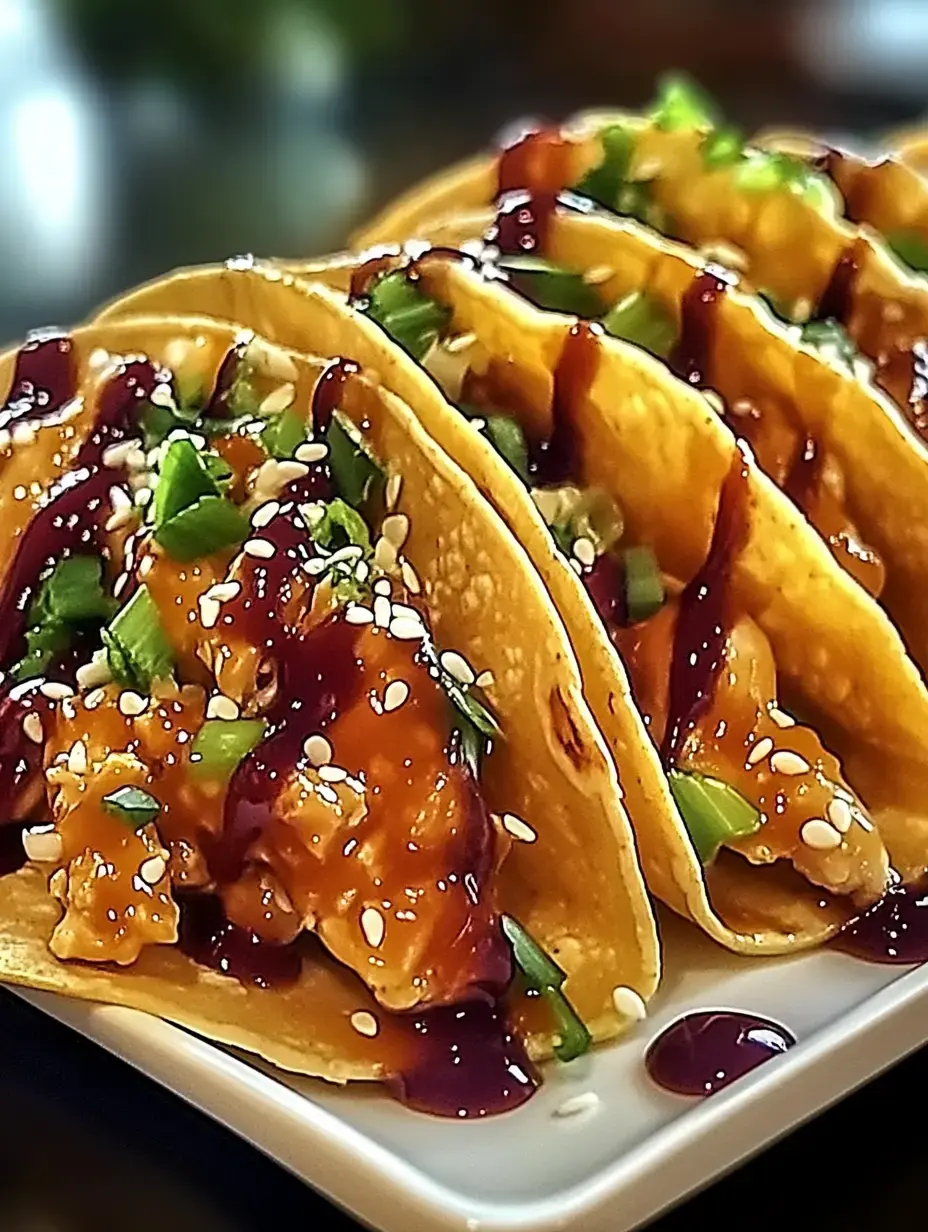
x,y
894,930
43,380
328,392
211,939
12,852
522,222
707,1050
557,459
835,303
692,356
539,161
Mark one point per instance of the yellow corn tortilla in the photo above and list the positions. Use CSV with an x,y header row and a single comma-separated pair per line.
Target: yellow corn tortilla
x,y
883,462
789,243
577,888
658,447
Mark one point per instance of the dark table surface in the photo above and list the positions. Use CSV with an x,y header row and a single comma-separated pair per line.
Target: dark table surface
x,y
89,1145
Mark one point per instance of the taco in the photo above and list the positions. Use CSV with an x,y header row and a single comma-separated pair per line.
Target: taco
x,y
682,172
293,742
630,497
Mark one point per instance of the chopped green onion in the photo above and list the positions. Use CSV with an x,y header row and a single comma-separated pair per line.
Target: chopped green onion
x,y
411,318
552,286
137,649
644,587
133,806
479,728
638,318
910,247
284,434
544,976
353,469
832,342
712,811
508,440
182,480
221,744
71,595
156,423
605,181
241,397
217,468
338,525
202,528
681,104
573,513
722,147
769,170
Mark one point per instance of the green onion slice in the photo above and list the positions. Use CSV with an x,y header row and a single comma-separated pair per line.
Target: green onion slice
x,y
137,649
681,104
338,525
544,976
221,744
182,479
284,434
638,318
722,147
831,340
411,318
209,524
552,286
605,181
712,811
504,433
644,587
910,247
133,806
72,595
354,471
476,726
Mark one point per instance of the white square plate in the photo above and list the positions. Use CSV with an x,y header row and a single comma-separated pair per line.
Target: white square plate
x,y
531,1171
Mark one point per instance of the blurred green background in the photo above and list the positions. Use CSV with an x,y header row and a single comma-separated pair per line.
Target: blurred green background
x,y
136,135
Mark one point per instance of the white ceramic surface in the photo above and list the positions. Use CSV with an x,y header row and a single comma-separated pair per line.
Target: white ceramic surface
x,y
638,1152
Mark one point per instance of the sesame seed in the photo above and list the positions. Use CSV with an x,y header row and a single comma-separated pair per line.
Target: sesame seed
x,y
385,555
461,342
485,680
278,400
364,1023
395,694
312,451
143,495
152,870
362,571
55,691
317,749
382,612
410,577
96,672
32,727
864,822
94,698
395,528
373,927
351,551
382,587
267,513
161,396
403,609
131,703
288,471
585,551
333,774
518,828
819,835
222,592
785,761
327,793
629,1004
120,498
136,460
261,549
406,629
116,456
19,492
118,519
222,707
597,274
359,615
23,434
43,844
77,757
840,815
392,491
780,717
760,751
209,611
578,1105
457,666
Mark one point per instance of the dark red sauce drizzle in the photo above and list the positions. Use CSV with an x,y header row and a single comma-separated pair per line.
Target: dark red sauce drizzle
x,y
805,474
539,161
12,852
556,460
369,271
217,403
705,1051
69,514
837,298
468,1063
44,379
522,223
702,623
328,392
692,356
20,757
605,584
894,930
211,939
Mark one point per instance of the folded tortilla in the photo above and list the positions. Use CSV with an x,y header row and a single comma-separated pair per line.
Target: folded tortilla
x,y
656,446
577,887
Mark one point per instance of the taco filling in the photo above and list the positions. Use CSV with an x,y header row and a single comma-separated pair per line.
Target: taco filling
x,y
748,778
226,725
